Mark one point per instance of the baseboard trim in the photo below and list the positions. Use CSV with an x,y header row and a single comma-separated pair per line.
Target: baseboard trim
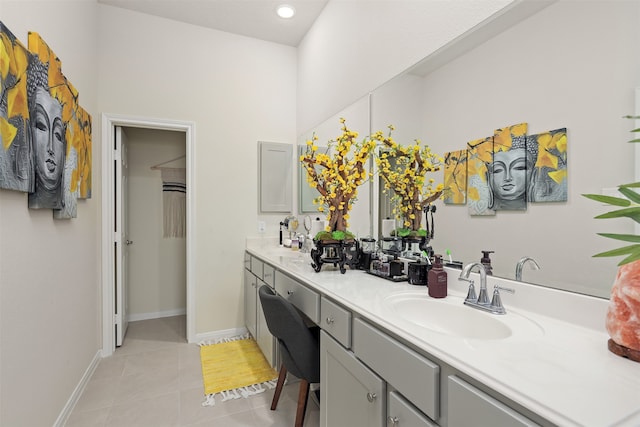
x,y
75,396
217,335
156,314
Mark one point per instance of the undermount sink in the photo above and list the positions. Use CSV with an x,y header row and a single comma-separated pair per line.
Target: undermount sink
x,y
451,317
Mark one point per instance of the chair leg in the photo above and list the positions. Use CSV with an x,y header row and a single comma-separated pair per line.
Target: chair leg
x,y
281,377
302,402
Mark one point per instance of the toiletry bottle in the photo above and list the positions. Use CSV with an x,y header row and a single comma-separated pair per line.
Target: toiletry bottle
x,y
437,279
486,261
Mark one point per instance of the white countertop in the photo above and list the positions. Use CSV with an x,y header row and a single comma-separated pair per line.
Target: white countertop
x,y
557,365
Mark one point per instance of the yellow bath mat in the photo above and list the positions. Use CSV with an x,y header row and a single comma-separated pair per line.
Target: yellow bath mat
x,y
234,368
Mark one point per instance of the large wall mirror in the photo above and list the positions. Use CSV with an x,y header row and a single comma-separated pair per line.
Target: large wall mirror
x,y
550,81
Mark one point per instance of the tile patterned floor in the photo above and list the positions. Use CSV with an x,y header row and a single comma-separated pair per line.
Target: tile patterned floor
x,y
154,380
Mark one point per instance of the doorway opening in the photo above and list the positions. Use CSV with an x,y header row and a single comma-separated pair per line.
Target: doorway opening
x,y
113,242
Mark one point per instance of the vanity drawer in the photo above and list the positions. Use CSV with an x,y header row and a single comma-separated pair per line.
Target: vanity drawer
x,y
402,413
256,267
299,295
247,261
336,321
468,405
269,275
412,374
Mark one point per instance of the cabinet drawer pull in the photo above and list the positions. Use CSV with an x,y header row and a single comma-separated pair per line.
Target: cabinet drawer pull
x,y
393,420
329,320
289,292
371,397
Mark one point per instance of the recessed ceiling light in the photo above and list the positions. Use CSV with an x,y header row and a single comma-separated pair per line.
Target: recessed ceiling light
x,y
285,11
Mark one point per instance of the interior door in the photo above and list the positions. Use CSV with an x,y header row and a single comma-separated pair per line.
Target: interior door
x,y
121,234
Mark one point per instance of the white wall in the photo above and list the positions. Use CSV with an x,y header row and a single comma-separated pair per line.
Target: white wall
x,y
236,90
356,46
49,269
560,68
157,265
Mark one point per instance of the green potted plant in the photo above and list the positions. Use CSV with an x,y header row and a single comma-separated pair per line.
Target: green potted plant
x,y
623,314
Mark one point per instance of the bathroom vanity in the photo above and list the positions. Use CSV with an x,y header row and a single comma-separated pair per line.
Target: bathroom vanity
x,y
393,356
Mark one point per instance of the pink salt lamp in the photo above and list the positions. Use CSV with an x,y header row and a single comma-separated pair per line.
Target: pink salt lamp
x,y
623,315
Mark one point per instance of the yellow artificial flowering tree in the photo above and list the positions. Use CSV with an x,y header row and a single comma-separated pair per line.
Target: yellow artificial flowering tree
x,y
404,169
337,176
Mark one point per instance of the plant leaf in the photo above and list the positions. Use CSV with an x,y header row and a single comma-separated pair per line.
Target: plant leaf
x,y
634,140
610,200
623,237
633,257
633,213
620,251
631,185
629,194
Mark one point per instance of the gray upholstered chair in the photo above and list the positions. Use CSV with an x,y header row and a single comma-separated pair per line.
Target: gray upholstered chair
x,y
298,344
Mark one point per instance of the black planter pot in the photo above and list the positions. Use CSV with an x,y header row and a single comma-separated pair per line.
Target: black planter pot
x,y
340,253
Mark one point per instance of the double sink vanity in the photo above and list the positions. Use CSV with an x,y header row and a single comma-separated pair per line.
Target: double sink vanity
x,y
392,355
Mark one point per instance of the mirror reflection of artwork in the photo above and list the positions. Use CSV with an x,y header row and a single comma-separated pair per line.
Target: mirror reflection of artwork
x,y
16,167
550,177
455,177
479,155
511,169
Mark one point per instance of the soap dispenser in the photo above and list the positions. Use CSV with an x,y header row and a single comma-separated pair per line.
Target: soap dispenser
x,y
437,279
486,261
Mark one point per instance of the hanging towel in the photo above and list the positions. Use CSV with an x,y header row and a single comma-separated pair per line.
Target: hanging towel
x,y
174,202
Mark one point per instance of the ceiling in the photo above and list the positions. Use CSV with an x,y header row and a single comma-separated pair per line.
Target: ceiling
x,y
252,18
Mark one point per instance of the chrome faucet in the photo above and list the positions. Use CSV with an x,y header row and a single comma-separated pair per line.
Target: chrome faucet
x,y
482,297
482,300
521,263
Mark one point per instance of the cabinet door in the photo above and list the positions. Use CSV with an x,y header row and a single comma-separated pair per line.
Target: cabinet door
x,y
263,337
250,302
469,406
351,394
276,176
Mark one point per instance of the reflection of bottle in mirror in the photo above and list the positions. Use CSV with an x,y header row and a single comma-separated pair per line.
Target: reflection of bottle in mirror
x,y
486,261
437,279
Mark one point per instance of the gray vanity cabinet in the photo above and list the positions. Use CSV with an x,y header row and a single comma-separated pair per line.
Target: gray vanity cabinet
x,y
373,378
250,301
351,394
469,406
253,315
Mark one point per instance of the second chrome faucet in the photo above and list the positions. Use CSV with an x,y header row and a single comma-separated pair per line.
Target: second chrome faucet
x,y
481,301
521,263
